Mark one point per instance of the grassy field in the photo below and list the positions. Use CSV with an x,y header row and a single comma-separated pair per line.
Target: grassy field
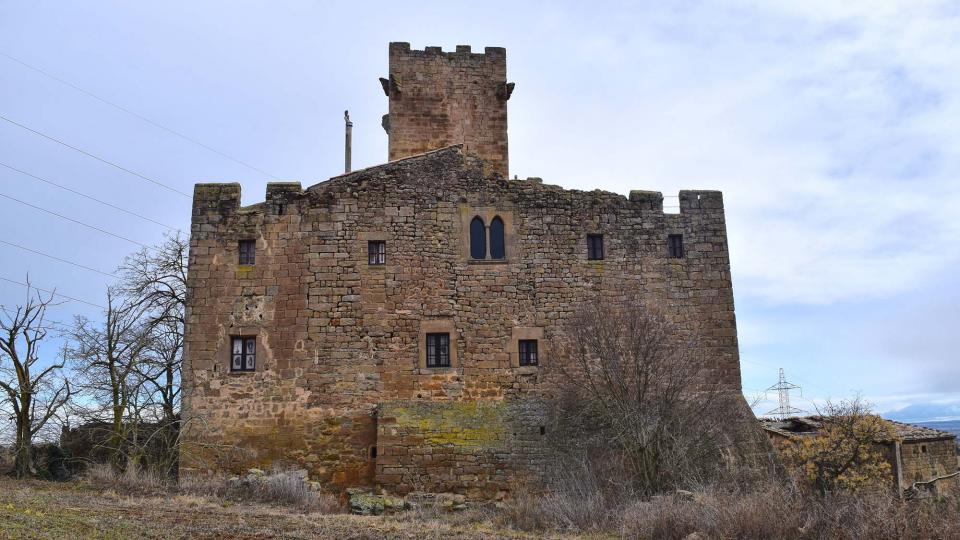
x,y
34,509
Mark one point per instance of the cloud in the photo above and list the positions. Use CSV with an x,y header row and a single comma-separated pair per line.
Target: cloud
x,y
825,127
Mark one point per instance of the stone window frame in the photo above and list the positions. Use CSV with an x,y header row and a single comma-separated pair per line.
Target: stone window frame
x,y
437,326
362,249
225,354
675,250
527,332
592,238
487,214
376,252
241,242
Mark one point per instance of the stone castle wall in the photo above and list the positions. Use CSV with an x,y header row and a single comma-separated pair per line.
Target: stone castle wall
x,y
340,387
438,99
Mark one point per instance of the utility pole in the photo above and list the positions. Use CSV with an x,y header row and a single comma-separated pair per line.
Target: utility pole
x,y
783,388
348,143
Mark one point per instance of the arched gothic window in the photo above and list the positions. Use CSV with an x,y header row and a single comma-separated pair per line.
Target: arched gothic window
x,y
478,239
498,249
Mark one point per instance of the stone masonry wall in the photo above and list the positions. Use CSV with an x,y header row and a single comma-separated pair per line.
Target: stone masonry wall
x,y
925,460
438,99
339,342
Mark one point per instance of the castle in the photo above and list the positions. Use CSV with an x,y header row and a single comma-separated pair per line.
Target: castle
x,y
389,326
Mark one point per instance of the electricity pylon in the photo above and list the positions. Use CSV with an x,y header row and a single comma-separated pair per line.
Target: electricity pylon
x,y
783,389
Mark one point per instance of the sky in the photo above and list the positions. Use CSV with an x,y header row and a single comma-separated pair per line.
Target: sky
x,y
829,126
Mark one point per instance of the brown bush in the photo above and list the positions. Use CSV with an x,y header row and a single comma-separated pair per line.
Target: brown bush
x,y
279,488
768,510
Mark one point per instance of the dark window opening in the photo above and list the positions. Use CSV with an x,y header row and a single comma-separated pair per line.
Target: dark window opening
x,y
675,246
478,239
377,252
248,251
281,209
243,355
528,352
498,248
595,247
543,430
923,448
373,452
438,350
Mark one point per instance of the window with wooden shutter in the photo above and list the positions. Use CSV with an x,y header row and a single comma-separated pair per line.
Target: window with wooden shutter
x,y
595,247
248,251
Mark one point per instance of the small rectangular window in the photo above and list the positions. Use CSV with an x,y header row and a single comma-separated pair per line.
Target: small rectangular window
x,y
438,350
248,251
376,252
675,246
595,247
243,353
528,352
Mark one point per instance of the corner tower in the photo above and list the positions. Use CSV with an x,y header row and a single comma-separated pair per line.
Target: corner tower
x,y
438,99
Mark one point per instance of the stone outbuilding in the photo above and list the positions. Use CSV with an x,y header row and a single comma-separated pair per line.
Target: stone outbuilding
x,y
921,458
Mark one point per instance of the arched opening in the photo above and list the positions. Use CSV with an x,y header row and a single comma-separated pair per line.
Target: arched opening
x,y
498,249
478,239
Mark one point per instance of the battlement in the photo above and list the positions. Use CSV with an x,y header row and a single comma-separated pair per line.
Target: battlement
x,y
492,54
439,99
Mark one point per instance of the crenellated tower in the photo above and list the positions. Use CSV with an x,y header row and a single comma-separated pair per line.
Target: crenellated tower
x,y
438,99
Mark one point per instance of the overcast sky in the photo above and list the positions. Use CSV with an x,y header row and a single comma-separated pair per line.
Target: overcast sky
x,y
831,128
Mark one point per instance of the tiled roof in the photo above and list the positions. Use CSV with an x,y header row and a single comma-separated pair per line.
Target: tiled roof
x,y
913,432
799,426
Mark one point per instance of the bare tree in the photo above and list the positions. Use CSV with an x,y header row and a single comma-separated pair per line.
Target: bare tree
x,y
157,280
34,393
108,359
635,398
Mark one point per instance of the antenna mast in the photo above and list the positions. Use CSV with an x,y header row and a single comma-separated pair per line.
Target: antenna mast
x,y
348,142
783,388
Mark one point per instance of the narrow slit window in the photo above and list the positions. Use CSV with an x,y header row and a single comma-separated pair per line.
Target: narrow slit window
x,y
478,239
498,247
595,247
243,355
377,252
528,352
248,251
438,350
675,246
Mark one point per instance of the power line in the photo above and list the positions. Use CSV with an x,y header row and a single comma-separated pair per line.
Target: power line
x,y
100,159
140,117
54,257
32,286
115,207
104,231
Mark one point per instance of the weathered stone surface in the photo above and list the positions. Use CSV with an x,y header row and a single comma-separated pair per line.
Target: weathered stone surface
x,y
438,99
340,376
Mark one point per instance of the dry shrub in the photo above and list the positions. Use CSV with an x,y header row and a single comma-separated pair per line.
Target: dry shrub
x,y
279,488
282,488
766,510
635,397
132,481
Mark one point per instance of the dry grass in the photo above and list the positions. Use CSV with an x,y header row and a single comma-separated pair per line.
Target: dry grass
x,y
766,511
107,505
78,510
279,488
